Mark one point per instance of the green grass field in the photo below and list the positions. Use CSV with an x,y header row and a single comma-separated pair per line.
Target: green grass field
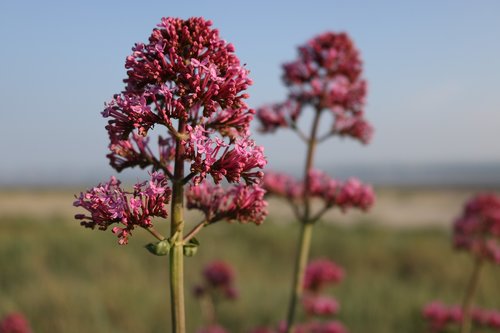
x,y
69,279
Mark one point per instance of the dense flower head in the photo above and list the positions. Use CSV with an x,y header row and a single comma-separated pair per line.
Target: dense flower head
x,y
349,194
320,305
327,73
478,228
108,204
439,316
188,80
325,76
218,277
14,323
238,202
320,273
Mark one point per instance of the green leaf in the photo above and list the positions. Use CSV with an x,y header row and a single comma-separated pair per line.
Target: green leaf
x,y
191,247
160,248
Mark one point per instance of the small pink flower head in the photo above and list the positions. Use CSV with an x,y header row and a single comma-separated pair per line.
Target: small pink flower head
x,y
439,315
320,273
239,202
212,329
282,185
326,75
14,323
478,228
218,277
278,115
355,194
108,204
320,305
262,330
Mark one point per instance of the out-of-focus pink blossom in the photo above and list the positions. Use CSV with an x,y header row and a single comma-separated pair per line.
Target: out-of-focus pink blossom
x,y
325,76
439,315
108,204
355,194
320,273
218,278
320,305
278,115
212,329
14,323
349,194
241,203
355,127
478,228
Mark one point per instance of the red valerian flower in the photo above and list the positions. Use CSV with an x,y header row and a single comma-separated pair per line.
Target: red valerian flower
x,y
14,323
478,228
218,278
325,76
320,273
109,204
239,202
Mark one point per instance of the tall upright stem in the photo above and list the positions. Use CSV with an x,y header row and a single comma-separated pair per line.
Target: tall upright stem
x,y
305,236
470,294
176,252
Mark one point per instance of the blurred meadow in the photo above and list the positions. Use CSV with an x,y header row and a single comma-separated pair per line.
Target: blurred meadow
x,y
397,258
433,74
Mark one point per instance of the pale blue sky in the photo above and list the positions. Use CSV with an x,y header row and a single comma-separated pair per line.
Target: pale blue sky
x,y
433,69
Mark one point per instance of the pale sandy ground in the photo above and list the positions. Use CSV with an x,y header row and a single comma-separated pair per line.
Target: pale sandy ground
x,y
399,207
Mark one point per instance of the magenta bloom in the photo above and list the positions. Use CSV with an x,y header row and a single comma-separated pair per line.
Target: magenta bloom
x,y
320,273
349,194
478,228
439,315
241,203
218,278
185,72
326,76
108,204
187,83
14,323
320,305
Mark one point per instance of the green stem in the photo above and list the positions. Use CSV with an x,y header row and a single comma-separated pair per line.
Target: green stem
x,y
176,252
469,295
306,230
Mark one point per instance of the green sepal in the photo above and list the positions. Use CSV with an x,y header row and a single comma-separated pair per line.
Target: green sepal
x,y
191,247
160,248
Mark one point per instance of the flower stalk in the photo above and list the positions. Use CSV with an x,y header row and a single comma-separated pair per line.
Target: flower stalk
x,y
470,294
305,231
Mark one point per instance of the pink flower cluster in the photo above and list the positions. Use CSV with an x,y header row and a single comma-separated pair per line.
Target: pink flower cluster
x,y
190,81
218,278
321,273
439,316
478,228
320,305
326,75
238,202
349,194
14,323
108,204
